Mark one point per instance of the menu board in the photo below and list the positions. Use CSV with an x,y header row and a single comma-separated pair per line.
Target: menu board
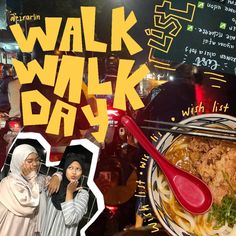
x,y
202,33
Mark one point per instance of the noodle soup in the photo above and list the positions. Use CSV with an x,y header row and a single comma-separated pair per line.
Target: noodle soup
x,y
214,161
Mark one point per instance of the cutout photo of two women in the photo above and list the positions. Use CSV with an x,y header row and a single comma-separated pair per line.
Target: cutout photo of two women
x,y
28,207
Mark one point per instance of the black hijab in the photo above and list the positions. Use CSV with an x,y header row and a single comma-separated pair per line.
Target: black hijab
x,y
59,197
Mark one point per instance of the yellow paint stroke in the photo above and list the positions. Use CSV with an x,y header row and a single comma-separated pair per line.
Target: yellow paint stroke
x,y
154,138
163,49
188,9
154,32
211,73
221,80
171,21
215,86
153,59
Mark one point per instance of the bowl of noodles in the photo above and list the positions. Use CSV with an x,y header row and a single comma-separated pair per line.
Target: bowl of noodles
x,y
213,161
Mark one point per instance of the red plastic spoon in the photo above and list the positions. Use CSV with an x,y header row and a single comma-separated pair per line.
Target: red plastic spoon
x,y
191,192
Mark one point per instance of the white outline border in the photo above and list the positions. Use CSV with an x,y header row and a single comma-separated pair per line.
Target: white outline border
x,y
91,184
41,140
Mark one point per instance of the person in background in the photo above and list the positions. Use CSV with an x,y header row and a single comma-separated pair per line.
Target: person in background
x,y
21,193
14,98
13,91
66,208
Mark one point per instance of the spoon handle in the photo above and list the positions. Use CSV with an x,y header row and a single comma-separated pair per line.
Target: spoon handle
x,y
139,135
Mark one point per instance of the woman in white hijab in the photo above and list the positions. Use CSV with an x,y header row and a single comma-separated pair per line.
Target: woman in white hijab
x,y
20,194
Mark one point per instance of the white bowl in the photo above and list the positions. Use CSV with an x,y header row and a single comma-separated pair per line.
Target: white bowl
x,y
155,175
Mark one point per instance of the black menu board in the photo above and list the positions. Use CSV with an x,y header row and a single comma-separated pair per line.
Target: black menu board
x,y
202,33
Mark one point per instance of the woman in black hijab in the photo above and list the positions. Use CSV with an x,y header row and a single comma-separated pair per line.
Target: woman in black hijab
x,y
66,208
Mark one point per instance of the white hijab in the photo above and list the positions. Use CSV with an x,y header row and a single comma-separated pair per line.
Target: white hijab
x,y
19,155
17,194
